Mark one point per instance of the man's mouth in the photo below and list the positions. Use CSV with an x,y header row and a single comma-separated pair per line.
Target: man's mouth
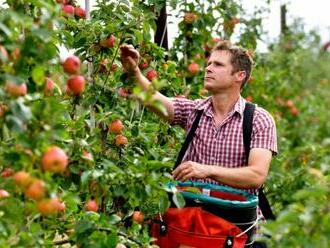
x,y
208,77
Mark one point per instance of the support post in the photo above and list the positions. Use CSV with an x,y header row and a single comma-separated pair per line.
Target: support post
x,y
283,19
161,33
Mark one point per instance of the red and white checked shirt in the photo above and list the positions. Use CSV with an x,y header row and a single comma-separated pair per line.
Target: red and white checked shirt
x,y
223,145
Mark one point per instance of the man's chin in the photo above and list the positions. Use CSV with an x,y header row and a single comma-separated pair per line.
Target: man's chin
x,y
208,87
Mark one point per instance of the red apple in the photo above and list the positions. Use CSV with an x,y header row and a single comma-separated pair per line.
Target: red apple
x,y
16,53
49,86
289,103
71,65
68,9
91,205
3,53
151,75
138,217
54,160
3,194
116,126
114,67
294,111
123,92
88,156
189,17
80,12
7,172
144,65
121,140
109,42
36,190
22,179
50,206
193,68
76,84
16,90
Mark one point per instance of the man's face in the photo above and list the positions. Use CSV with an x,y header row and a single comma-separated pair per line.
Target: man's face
x,y
219,72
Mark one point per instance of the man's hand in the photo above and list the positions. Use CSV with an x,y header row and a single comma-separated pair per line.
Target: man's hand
x,y
190,169
129,58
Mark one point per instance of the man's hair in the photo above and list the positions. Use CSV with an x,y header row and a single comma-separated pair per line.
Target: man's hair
x,y
240,58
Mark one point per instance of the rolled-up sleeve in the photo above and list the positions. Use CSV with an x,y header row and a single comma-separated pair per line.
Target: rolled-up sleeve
x,y
182,110
264,132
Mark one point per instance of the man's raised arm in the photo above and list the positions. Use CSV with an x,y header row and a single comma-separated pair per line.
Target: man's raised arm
x,y
130,61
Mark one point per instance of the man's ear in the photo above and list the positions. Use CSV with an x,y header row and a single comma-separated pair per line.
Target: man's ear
x,y
240,75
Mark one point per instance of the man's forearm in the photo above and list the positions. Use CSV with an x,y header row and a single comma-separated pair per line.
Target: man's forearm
x,y
242,177
142,81
144,84
251,176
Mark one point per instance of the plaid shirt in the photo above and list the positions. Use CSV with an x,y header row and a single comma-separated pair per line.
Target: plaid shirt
x,y
223,145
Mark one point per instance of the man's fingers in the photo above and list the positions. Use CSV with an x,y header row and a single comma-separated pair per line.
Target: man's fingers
x,y
177,170
176,173
131,60
187,177
129,50
181,172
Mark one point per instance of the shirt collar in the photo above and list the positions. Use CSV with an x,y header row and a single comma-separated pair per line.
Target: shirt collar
x,y
239,106
206,105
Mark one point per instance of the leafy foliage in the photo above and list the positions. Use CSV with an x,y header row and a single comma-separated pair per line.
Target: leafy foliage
x,y
290,81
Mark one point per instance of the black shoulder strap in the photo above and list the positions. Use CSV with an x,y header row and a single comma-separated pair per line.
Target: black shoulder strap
x,y
247,126
247,131
188,138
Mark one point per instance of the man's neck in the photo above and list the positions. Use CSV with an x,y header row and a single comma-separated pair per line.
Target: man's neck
x,y
223,103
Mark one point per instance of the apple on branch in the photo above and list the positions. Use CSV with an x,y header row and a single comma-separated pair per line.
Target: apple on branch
x,y
71,65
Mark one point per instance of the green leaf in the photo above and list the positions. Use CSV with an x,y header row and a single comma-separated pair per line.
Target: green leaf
x,y
112,240
15,124
178,199
97,173
164,203
41,33
85,178
38,75
114,219
84,226
21,111
92,216
160,107
5,29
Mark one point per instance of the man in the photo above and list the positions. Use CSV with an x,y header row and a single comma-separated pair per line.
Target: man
x,y
216,154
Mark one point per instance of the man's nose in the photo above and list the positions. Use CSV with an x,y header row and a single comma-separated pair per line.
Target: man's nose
x,y
208,68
